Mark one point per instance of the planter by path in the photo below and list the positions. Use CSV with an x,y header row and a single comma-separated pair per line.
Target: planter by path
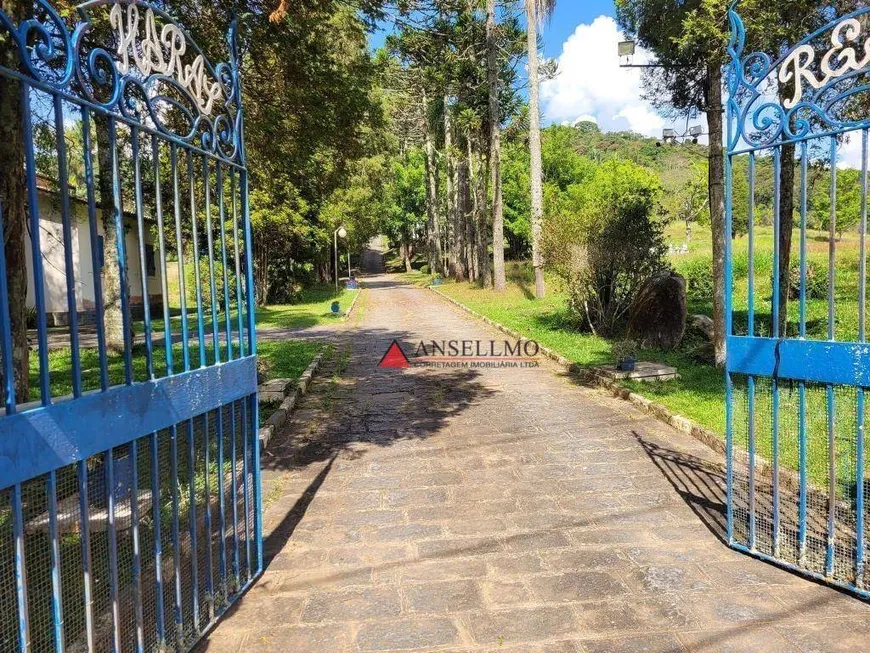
x,y
279,417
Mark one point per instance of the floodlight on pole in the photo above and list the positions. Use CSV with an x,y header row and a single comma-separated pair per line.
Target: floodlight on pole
x,y
626,50
341,231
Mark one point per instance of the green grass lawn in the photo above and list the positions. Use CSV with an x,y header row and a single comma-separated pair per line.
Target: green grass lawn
x,y
312,308
286,359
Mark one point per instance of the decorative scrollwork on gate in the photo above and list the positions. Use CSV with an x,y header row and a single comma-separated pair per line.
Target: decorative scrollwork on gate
x,y
132,60
817,87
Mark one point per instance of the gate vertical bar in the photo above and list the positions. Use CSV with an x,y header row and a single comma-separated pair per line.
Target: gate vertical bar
x,y
200,325
236,234
122,253
862,337
36,249
113,551
234,489
194,559
143,267
215,323
729,387
66,220
775,332
87,568
176,554
829,389
252,350
226,280
20,570
179,244
222,522
802,386
137,558
54,536
161,235
158,547
209,549
244,408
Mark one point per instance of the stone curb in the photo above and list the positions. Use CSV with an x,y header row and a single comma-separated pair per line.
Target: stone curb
x,y
675,420
279,417
346,316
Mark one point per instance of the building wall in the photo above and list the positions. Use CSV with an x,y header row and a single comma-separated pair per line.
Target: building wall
x,y
54,266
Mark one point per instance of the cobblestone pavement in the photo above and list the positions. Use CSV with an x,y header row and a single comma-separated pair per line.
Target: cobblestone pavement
x,y
501,510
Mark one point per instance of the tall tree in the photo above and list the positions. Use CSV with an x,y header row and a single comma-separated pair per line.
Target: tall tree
x,y
536,11
433,237
110,274
13,205
499,281
689,39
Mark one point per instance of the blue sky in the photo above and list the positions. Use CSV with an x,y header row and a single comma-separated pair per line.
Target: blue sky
x,y
568,15
582,36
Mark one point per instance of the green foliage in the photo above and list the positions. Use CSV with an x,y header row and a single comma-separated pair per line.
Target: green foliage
x,y
698,273
205,280
623,349
816,281
604,238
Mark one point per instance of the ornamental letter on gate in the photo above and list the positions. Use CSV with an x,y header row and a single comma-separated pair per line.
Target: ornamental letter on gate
x,y
797,64
150,55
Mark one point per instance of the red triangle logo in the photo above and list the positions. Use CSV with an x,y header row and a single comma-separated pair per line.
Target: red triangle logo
x,y
394,358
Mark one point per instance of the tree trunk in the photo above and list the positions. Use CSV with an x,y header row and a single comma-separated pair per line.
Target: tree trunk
x,y
481,241
786,226
463,208
406,256
453,214
13,206
471,239
113,320
434,226
537,175
495,150
717,206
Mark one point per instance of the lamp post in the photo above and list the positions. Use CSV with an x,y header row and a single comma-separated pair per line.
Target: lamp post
x,y
341,231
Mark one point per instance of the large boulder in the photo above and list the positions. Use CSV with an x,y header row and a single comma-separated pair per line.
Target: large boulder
x,y
657,317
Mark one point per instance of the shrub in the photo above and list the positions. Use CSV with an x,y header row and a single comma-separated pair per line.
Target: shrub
x,y
816,281
205,280
424,269
699,278
605,239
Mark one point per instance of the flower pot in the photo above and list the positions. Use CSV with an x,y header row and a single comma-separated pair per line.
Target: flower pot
x,y
122,472
626,365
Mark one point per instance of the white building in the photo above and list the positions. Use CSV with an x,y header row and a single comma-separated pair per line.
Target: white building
x,y
54,266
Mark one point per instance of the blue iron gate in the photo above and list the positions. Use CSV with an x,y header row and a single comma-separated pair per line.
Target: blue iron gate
x,y
129,477
798,371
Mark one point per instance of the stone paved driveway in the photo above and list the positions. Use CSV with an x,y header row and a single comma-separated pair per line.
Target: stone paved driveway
x,y
501,510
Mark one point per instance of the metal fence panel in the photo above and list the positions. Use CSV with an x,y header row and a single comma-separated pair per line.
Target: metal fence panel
x,y
796,409
129,473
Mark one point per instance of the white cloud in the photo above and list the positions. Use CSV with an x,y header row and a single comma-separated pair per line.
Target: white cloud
x,y
849,151
591,85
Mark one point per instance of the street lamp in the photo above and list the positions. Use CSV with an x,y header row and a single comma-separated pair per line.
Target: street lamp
x,y
341,231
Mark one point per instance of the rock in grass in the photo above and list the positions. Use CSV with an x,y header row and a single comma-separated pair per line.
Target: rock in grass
x,y
657,317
